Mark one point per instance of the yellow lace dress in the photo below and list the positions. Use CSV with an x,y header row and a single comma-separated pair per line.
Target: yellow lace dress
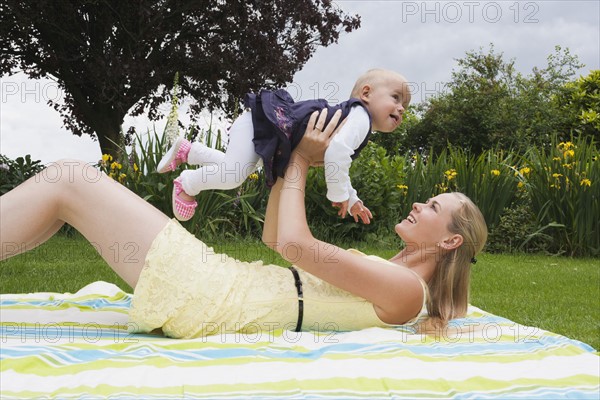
x,y
188,291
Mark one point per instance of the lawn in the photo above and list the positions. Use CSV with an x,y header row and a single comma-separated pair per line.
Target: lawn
x,y
558,294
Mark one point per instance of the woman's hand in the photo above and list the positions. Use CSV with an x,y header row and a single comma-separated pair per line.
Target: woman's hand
x,y
317,137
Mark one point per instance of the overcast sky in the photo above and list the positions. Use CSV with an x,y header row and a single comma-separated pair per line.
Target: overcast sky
x,y
420,39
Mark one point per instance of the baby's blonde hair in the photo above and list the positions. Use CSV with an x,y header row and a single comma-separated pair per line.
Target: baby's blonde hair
x,y
374,77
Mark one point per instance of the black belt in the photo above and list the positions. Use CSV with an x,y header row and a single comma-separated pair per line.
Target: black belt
x,y
300,298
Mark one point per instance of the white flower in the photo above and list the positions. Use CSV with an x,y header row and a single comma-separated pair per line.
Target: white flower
x,y
172,128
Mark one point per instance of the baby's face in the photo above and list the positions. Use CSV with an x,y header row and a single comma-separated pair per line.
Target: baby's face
x,y
387,102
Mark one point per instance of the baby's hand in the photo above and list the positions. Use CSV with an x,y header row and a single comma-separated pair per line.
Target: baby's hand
x,y
343,206
359,210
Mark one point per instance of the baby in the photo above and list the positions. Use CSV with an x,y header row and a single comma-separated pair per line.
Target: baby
x,y
273,126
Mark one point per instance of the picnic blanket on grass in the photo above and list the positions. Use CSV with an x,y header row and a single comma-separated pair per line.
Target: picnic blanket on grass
x,y
78,346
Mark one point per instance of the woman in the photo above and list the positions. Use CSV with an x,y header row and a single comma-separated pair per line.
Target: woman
x,y
186,289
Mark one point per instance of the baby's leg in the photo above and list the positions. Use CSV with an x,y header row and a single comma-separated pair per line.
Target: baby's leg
x,y
201,154
118,223
232,170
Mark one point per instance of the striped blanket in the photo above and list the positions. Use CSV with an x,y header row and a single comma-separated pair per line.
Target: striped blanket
x,y
78,346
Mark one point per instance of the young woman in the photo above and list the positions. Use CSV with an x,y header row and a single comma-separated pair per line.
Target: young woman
x,y
187,290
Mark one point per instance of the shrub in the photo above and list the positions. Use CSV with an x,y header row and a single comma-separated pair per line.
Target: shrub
x,y
517,230
14,172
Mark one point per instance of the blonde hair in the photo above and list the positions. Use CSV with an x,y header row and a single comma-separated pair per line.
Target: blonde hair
x,y
448,296
373,77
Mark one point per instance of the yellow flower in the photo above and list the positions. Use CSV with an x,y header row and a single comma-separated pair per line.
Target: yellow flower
x,y
568,166
495,172
403,189
122,178
106,158
115,165
556,175
450,174
585,182
520,185
569,153
253,176
135,167
565,146
525,171
442,187
556,158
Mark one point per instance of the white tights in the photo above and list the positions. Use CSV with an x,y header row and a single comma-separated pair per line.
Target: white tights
x,y
223,170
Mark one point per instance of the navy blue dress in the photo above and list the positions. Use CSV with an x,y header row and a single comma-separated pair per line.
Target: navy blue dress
x,y
279,124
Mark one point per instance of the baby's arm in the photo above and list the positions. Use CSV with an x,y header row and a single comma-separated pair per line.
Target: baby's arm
x,y
338,159
355,207
338,156
348,205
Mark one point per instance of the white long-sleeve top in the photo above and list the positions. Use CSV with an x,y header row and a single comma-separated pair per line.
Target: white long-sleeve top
x,y
338,156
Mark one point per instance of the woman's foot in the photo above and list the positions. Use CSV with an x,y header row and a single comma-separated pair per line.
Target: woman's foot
x,y
184,205
176,155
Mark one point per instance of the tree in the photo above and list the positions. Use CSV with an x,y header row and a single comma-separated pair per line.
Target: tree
x,y
488,104
113,57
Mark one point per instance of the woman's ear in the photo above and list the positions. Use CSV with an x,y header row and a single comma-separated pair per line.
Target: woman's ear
x,y
452,242
365,93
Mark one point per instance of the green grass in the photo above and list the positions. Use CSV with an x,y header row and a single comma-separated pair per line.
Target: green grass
x,y
62,264
558,294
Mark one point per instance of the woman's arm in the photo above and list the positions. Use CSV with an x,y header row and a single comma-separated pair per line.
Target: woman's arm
x,y
395,291
269,235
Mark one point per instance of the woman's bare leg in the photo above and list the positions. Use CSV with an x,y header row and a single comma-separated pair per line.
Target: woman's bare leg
x,y
118,223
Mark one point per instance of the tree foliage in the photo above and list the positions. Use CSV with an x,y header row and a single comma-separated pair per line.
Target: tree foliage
x,y
582,97
488,104
112,57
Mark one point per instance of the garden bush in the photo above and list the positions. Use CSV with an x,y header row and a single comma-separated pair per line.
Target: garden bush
x,y
14,172
517,230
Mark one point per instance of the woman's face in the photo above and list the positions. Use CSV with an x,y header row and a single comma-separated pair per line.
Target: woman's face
x,y
427,223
